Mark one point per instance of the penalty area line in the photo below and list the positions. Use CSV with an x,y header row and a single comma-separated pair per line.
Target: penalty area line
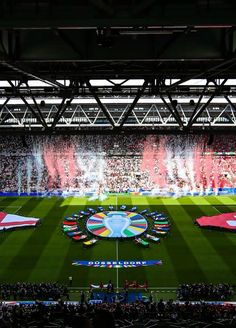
x,y
220,211
4,208
17,210
216,209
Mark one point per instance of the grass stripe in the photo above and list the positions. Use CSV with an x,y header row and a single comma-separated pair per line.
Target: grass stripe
x,y
32,248
188,254
51,258
180,246
105,249
10,247
216,260
128,250
6,202
157,276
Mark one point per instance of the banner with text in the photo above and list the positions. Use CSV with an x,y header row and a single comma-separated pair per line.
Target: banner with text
x,y
117,264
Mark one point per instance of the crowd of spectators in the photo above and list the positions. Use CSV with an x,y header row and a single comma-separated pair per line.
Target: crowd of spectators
x,y
116,163
32,291
89,313
137,314
200,291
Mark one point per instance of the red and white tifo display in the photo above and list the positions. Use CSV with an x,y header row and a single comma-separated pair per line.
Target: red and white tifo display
x,y
224,221
12,221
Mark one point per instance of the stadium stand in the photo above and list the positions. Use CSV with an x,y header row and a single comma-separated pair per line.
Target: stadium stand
x,y
177,164
187,292
117,105
32,291
48,305
138,314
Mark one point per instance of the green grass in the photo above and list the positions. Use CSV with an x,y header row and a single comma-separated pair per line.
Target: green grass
x,y
189,254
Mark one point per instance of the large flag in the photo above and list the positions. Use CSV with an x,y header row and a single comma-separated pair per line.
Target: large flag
x,y
222,221
9,221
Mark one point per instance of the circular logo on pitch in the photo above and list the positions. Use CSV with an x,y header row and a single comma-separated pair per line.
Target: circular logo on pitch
x,y
117,224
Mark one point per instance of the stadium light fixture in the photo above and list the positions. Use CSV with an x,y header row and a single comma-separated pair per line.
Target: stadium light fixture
x,y
104,37
42,103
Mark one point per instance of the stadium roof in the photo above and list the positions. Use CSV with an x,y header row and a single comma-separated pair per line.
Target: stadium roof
x,y
174,51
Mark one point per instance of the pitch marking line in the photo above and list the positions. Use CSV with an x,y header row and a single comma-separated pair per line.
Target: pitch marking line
x,y
117,269
117,255
221,205
6,207
216,209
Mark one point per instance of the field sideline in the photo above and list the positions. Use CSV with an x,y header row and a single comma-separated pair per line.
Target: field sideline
x,y
189,254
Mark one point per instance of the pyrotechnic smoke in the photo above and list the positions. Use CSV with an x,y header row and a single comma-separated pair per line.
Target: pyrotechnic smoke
x,y
28,173
180,164
197,165
49,159
19,177
190,170
208,166
38,159
169,164
91,165
161,164
71,167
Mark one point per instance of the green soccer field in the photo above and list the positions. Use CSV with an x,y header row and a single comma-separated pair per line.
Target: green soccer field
x,y
189,254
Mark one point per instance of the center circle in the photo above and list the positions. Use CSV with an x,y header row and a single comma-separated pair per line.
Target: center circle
x,y
117,224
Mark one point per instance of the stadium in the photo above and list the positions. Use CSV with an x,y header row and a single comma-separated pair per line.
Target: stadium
x,y
117,164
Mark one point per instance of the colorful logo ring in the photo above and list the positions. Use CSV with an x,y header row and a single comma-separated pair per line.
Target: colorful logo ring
x,y
117,224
